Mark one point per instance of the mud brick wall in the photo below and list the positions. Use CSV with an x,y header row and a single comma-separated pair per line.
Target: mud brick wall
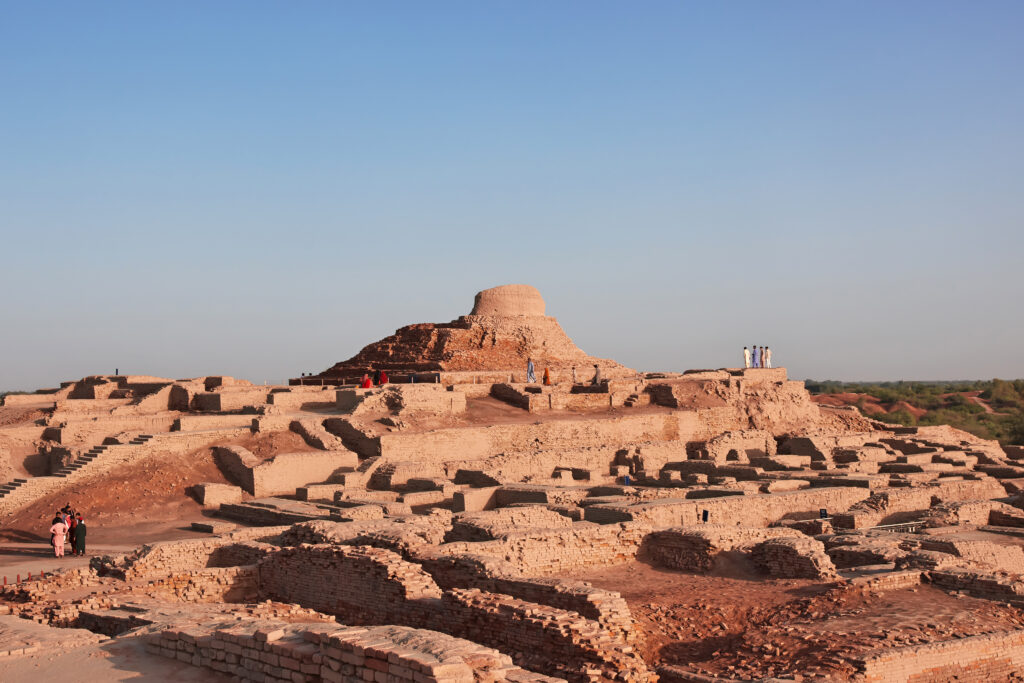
x,y
274,652
297,398
158,559
1008,558
230,398
409,533
359,584
695,549
314,434
495,575
490,525
366,585
286,472
894,505
474,443
211,495
891,581
190,423
237,464
793,558
980,585
548,639
974,512
863,554
995,657
712,468
754,510
543,552
740,446
230,584
512,467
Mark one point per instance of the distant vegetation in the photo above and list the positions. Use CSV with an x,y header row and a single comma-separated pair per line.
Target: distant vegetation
x,y
990,409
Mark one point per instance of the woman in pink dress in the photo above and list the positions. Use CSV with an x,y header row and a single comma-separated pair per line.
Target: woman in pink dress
x,y
57,532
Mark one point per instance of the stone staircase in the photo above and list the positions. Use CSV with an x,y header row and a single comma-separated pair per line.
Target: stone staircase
x,y
18,494
361,476
637,399
95,453
11,487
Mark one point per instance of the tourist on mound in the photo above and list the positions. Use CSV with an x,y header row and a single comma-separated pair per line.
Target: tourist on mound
x,y
57,532
530,373
376,378
767,357
757,357
574,374
746,357
384,377
597,375
547,378
367,383
80,535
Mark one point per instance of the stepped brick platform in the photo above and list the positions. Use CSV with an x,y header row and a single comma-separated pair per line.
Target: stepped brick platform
x,y
507,326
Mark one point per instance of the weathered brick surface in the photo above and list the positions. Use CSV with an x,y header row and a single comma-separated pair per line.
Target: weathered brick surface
x,y
696,549
359,584
755,510
545,552
273,652
993,657
800,557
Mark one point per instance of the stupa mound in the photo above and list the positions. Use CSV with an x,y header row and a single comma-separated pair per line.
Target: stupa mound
x,y
509,300
506,326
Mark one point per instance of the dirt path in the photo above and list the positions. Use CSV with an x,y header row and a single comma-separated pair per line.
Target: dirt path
x,y
59,658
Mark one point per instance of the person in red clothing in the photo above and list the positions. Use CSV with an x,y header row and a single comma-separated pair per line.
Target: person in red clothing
x,y
384,377
72,524
367,383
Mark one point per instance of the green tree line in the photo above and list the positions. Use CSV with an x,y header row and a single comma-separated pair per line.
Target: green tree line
x,y
945,404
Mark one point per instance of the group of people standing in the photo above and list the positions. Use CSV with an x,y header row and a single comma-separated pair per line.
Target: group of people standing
x,y
761,357
531,374
67,525
380,378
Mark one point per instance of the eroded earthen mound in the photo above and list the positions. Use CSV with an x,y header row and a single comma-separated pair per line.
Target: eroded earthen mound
x,y
506,327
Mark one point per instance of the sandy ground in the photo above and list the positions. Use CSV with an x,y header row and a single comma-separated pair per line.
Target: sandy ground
x,y
122,659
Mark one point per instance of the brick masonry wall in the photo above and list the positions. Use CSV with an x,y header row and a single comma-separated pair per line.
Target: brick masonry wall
x,y
994,657
276,652
545,552
364,585
358,584
160,559
555,641
695,548
495,575
754,510
788,558
229,584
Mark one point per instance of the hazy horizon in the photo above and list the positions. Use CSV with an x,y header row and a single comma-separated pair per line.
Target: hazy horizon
x,y
260,190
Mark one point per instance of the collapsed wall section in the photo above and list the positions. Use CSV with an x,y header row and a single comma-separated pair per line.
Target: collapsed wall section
x,y
358,584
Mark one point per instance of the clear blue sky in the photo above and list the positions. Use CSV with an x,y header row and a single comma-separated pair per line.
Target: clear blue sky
x,y
261,188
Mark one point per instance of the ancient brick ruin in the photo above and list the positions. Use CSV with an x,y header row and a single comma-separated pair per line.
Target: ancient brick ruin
x,y
709,525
